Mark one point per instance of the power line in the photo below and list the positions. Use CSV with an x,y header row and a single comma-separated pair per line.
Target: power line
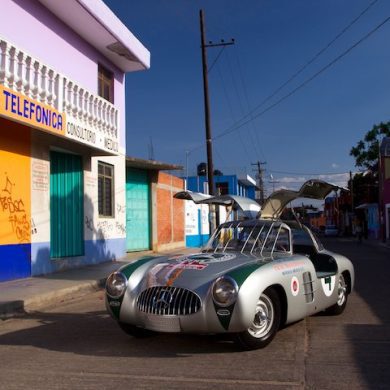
x,y
255,133
231,110
318,54
238,125
216,59
306,82
310,174
241,107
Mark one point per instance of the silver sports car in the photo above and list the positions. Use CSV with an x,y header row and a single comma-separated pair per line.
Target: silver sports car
x,y
254,276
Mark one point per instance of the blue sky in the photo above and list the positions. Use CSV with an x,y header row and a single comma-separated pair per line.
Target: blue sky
x,y
305,135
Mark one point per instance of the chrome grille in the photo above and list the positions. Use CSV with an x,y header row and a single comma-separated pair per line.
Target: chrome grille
x,y
168,301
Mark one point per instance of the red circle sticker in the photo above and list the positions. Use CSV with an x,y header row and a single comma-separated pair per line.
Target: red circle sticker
x,y
294,286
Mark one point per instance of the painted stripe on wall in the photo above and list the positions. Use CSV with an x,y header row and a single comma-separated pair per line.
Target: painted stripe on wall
x,y
15,262
196,241
95,252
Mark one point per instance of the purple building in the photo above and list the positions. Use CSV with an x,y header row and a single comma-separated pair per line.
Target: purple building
x,y
62,134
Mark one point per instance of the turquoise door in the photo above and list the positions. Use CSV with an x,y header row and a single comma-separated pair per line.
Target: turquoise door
x,y
66,205
137,210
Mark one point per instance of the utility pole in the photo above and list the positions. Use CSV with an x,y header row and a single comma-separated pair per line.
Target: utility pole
x,y
210,167
351,188
259,179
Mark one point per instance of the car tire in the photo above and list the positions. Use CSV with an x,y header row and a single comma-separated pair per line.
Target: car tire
x,y
135,331
342,297
265,323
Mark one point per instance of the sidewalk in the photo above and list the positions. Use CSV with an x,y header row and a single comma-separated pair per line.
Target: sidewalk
x,y
23,295
368,241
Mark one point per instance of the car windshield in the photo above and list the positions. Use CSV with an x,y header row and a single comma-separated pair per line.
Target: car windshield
x,y
254,237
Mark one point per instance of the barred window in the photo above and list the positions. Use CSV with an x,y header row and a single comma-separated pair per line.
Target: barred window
x,y
106,189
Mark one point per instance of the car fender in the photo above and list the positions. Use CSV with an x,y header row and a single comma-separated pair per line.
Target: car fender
x,y
286,276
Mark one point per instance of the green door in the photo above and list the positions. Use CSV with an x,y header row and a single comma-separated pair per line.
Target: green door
x,y
137,210
66,205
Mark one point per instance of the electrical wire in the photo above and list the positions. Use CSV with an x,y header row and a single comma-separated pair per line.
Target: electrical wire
x,y
231,110
318,54
306,82
255,137
310,174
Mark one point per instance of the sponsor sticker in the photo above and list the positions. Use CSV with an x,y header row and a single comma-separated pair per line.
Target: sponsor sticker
x,y
289,267
294,286
328,284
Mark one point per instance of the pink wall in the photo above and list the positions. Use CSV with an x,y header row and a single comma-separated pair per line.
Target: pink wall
x,y
33,28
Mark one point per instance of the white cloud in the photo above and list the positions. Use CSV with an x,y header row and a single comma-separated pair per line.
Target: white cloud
x,y
334,165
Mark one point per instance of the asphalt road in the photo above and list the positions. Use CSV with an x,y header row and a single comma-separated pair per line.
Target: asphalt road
x,y
76,345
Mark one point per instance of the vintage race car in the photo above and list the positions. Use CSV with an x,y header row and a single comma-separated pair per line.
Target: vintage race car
x,y
254,276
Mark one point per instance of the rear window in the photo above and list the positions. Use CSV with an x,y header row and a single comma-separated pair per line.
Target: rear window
x,y
300,237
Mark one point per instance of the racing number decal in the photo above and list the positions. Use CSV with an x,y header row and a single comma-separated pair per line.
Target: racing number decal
x,y
294,286
328,284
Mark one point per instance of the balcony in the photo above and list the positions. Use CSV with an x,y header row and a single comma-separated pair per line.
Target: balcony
x,y
90,119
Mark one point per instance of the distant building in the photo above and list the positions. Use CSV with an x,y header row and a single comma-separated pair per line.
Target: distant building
x,y
242,185
197,216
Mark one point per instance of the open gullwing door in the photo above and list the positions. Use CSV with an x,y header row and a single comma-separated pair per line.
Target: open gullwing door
x,y
248,206
278,200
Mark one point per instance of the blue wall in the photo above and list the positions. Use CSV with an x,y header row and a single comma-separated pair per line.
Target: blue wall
x,y
196,184
15,262
95,252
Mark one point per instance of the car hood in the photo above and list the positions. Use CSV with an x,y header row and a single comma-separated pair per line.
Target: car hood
x,y
278,200
196,270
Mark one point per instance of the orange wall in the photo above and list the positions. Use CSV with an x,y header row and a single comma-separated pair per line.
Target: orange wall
x,y
170,212
15,173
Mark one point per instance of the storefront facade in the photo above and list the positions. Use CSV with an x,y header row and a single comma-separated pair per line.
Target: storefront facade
x,y
154,218
62,135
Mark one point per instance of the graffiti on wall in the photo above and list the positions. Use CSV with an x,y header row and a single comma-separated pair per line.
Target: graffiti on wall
x,y
121,209
13,208
105,229
120,228
89,223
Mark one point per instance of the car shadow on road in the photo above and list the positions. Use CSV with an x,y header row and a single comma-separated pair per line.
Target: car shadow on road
x,y
367,319
96,334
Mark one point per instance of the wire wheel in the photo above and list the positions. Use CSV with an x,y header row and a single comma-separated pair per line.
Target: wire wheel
x,y
342,296
264,317
342,291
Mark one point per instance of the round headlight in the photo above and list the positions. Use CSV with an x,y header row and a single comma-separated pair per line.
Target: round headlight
x,y
116,285
225,291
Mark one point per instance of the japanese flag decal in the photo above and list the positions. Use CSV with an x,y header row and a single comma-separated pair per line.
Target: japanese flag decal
x,y
294,286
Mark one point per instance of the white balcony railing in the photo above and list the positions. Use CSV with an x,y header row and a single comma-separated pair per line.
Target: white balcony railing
x,y
30,77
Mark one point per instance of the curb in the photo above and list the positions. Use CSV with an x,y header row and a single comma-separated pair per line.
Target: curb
x,y
11,309
16,307
19,308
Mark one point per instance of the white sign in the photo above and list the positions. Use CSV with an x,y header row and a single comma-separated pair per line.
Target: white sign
x,y
78,131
